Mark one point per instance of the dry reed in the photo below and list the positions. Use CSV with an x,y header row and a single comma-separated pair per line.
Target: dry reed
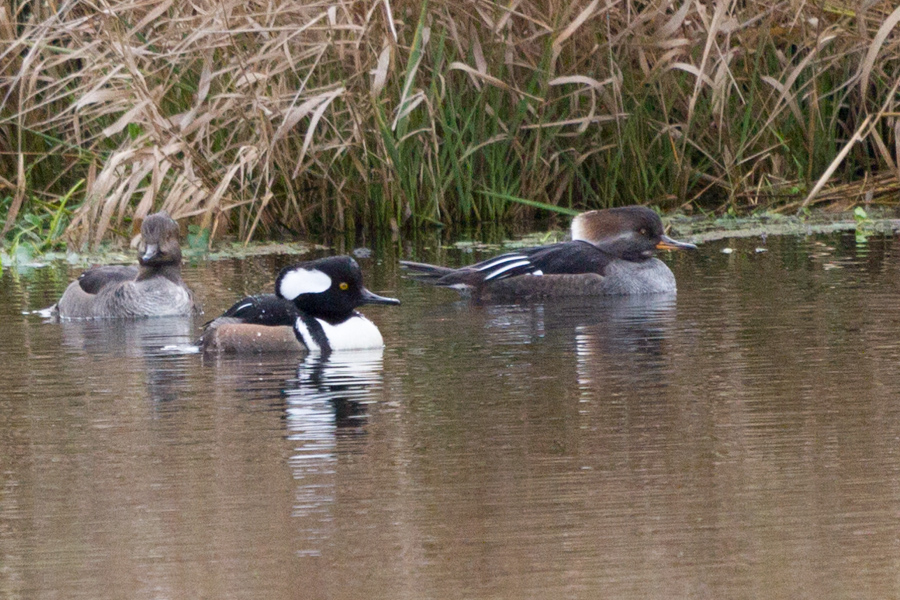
x,y
257,117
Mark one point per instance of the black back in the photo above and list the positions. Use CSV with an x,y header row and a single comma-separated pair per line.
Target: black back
x,y
96,278
264,309
564,258
569,258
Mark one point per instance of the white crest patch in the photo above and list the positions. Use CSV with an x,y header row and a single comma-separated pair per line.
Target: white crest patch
x,y
579,230
303,281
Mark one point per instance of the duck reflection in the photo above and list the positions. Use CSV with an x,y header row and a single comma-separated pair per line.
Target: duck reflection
x,y
611,324
629,339
623,325
258,380
326,412
620,336
130,338
130,353
330,394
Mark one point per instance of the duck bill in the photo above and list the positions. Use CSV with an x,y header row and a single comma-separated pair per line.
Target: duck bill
x,y
667,243
370,298
150,252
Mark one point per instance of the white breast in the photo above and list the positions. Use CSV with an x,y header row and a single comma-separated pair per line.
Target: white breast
x,y
356,333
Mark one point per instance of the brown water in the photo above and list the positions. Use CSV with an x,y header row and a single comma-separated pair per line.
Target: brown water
x,y
740,442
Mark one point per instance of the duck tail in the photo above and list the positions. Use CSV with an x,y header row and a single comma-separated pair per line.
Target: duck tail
x,y
425,273
463,280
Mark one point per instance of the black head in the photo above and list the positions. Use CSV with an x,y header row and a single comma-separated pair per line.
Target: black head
x,y
159,241
328,288
631,232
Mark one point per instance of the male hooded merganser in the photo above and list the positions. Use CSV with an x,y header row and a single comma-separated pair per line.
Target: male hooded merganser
x,y
152,289
611,253
313,309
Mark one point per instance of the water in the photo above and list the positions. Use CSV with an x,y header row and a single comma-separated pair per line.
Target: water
x,y
740,442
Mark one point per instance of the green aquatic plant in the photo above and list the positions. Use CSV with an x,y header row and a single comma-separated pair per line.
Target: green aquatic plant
x,y
198,237
863,225
41,227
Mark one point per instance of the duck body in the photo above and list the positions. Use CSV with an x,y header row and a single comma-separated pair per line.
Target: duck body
x,y
263,323
154,288
313,310
118,299
612,253
618,278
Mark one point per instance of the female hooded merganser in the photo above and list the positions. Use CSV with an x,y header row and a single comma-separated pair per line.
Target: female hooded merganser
x,y
313,309
611,253
152,289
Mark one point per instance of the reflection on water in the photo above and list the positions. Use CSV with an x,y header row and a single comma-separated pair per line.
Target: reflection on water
x,y
326,414
630,331
739,441
139,344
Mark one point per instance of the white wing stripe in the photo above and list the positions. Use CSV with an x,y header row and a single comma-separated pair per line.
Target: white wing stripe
x,y
521,263
500,260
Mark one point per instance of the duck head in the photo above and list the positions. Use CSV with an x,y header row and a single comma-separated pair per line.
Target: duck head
x,y
328,288
159,241
630,232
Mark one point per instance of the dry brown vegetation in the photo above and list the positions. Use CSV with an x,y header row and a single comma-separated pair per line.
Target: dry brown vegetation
x,y
264,116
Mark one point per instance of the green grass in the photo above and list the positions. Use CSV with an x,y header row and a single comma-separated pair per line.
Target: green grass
x,y
256,120
42,227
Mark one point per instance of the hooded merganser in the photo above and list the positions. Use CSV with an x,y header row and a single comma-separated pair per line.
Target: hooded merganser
x,y
313,309
611,253
152,289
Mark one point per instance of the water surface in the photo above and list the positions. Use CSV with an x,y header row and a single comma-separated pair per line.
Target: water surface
x,y
739,441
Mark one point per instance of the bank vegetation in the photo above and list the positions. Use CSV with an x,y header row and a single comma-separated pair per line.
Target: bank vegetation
x,y
258,118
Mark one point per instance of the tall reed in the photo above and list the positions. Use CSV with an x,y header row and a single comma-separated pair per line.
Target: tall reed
x,y
260,117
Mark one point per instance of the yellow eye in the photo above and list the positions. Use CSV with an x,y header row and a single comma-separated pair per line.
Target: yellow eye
x,y
343,285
